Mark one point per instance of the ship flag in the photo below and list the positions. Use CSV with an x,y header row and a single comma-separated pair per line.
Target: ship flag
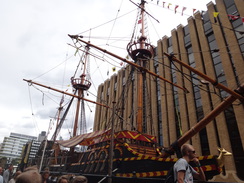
x,y
176,6
183,9
215,14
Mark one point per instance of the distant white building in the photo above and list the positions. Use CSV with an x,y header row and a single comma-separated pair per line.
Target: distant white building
x,y
12,145
42,136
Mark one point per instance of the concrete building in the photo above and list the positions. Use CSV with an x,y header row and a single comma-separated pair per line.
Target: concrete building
x,y
30,149
213,46
12,145
42,136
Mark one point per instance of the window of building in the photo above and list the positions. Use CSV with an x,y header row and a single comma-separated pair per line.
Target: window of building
x,y
228,3
198,102
205,17
220,75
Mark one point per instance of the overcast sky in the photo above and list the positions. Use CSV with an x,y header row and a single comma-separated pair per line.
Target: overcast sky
x,y
33,45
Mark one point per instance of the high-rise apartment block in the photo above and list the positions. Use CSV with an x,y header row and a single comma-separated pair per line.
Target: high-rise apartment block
x,y
12,145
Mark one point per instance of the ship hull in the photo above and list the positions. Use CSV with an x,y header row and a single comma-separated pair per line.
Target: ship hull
x,y
128,166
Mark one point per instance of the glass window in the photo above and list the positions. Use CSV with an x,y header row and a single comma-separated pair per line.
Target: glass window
x,y
237,23
187,40
222,79
211,38
195,81
205,16
186,30
108,91
170,42
228,3
170,49
232,9
213,45
242,48
223,82
207,27
224,94
217,60
193,64
191,58
198,104
219,70
238,32
215,54
198,97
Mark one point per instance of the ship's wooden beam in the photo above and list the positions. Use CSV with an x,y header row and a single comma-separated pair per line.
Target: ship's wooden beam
x,y
66,93
202,123
215,83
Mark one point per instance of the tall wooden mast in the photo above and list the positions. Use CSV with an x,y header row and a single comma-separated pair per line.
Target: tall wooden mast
x,y
81,85
141,52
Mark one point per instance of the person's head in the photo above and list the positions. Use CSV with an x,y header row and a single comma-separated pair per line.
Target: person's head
x,y
63,179
11,167
1,170
17,174
45,174
31,168
188,150
30,176
80,179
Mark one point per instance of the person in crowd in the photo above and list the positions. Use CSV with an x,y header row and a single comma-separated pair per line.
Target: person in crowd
x,y
45,176
1,177
15,177
30,175
7,175
183,172
63,179
80,179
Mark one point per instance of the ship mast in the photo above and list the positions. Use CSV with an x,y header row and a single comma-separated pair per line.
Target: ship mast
x,y
141,52
81,85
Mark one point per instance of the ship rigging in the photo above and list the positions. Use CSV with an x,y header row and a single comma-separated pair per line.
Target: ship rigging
x,y
112,150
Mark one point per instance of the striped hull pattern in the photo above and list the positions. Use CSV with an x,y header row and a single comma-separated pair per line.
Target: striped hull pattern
x,y
129,164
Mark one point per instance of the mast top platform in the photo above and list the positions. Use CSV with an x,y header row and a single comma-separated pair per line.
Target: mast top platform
x,y
80,83
140,49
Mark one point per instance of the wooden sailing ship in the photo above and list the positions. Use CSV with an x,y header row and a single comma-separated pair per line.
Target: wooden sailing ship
x,y
125,156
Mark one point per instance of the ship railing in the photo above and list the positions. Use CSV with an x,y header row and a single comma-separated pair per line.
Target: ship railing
x,y
142,50
79,83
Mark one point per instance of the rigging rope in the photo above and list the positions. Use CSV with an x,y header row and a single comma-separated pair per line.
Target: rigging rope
x,y
32,111
53,68
106,22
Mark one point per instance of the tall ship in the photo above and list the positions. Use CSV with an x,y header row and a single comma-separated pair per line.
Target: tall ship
x,y
113,152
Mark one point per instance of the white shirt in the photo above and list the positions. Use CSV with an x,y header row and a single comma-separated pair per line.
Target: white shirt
x,y
182,164
1,179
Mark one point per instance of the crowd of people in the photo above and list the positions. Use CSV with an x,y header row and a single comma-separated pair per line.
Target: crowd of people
x,y
31,175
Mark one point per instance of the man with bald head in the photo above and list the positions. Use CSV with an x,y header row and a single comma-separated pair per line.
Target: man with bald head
x,y
183,172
